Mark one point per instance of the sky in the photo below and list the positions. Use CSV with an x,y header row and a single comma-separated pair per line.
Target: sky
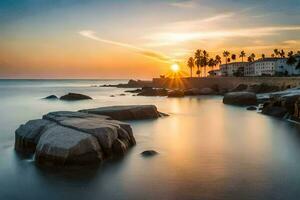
x,y
136,38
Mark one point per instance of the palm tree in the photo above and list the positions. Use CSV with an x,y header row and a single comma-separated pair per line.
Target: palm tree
x,y
242,55
211,63
218,60
290,53
205,60
197,60
276,52
233,57
263,56
282,53
225,55
251,57
191,65
273,55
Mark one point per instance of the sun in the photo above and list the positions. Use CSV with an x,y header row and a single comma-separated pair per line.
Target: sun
x,y
175,67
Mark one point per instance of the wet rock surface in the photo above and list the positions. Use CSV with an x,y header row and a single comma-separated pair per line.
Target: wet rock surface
x,y
74,97
66,138
240,98
131,112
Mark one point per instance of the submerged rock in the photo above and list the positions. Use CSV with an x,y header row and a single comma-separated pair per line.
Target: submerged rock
x,y
74,97
132,112
149,153
240,98
51,97
66,138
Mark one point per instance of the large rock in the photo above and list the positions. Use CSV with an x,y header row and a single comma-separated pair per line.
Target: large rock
x,y
74,97
149,91
61,146
274,111
73,138
240,98
28,135
132,112
263,88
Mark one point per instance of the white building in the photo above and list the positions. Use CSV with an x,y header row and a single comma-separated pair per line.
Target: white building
x,y
230,69
271,67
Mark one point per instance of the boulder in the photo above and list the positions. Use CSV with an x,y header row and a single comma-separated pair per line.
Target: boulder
x,y
28,135
134,91
240,98
66,138
149,91
51,97
149,153
274,111
263,88
74,97
61,146
176,93
132,112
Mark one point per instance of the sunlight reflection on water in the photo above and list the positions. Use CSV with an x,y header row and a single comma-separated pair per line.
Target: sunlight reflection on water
x,y
207,150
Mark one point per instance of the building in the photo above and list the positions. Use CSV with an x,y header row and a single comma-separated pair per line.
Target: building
x,y
262,67
271,67
233,69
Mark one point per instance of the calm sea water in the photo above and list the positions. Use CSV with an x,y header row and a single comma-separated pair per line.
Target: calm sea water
x,y
207,150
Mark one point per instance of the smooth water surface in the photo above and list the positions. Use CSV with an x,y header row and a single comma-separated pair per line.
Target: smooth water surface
x,y
207,150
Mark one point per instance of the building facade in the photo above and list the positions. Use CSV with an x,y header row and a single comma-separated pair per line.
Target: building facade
x,y
230,69
262,67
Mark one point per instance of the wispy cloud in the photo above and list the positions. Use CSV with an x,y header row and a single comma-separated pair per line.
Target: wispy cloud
x,y
145,52
171,38
184,4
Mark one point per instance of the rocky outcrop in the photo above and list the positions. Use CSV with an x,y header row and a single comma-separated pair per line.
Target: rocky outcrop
x,y
133,112
149,91
240,98
176,93
263,88
132,84
281,106
74,97
51,97
73,138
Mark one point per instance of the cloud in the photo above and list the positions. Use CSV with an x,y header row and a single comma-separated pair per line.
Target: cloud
x,y
145,52
171,38
184,4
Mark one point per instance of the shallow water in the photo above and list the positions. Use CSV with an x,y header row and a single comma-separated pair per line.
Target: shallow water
x,y
207,150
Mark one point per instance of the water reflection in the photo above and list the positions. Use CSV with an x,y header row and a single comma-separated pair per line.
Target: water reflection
x,y
207,150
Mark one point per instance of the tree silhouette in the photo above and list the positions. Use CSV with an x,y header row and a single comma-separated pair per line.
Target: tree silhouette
x,y
276,52
198,61
191,65
204,60
242,55
233,57
263,56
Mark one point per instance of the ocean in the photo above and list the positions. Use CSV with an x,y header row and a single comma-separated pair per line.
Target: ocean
x,y
207,150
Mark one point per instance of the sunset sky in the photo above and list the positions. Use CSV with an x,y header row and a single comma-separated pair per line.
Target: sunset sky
x,y
135,39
